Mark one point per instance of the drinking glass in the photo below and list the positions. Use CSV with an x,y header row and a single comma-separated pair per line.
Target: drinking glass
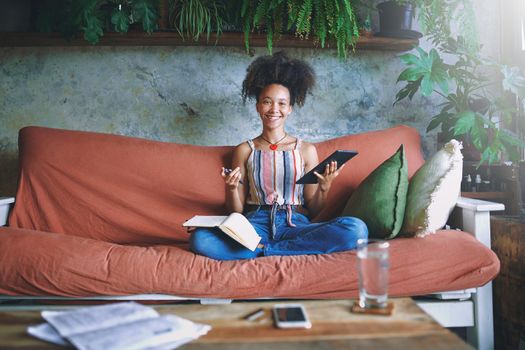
x,y
372,266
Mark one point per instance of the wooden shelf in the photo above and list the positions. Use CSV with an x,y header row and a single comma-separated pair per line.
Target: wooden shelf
x,y
22,39
485,195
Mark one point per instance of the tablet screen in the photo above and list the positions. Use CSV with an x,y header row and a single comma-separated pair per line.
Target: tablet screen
x,y
340,156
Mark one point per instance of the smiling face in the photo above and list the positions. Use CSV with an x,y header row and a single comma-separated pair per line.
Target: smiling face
x,y
274,106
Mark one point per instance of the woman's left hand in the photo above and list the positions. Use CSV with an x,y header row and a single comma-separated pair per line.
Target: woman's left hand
x,y
330,173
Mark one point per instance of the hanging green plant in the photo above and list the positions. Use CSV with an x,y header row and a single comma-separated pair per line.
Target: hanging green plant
x,y
193,18
93,17
247,13
436,16
325,20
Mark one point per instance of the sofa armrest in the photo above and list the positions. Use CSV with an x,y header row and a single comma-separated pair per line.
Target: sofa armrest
x,y
473,216
5,204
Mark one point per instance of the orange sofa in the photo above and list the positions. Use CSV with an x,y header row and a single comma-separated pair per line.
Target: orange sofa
x,y
99,214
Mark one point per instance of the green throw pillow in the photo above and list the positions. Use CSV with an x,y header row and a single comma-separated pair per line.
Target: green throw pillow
x,y
434,191
380,199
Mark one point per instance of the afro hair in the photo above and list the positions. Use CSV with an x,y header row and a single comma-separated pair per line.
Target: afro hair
x,y
294,74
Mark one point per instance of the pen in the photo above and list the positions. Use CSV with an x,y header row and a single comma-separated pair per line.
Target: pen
x,y
227,171
255,315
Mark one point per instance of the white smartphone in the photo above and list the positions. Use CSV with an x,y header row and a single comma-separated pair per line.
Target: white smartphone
x,y
291,316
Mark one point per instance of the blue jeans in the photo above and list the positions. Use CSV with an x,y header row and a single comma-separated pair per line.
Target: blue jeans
x,y
331,236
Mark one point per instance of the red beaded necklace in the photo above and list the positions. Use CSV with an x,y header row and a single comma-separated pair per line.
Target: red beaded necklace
x,y
273,145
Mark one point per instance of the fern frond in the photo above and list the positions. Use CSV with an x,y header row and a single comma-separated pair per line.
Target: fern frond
x,y
466,17
278,18
330,13
269,37
303,18
293,12
260,13
244,7
247,22
320,22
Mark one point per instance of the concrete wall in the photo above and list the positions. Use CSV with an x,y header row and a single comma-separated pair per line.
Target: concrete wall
x,y
192,94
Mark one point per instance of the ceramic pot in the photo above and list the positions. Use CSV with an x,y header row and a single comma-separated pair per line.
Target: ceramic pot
x,y
394,17
15,16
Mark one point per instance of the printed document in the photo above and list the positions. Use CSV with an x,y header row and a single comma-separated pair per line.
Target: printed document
x,y
127,325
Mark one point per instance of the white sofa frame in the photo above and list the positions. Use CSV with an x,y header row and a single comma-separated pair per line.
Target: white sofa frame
x,y
471,308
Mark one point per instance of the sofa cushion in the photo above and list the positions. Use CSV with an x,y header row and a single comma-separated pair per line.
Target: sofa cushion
x,y
134,191
434,191
381,198
115,188
374,148
41,263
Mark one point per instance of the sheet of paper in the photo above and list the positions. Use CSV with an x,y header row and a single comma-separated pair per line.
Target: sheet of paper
x,y
131,326
151,332
92,318
46,332
204,221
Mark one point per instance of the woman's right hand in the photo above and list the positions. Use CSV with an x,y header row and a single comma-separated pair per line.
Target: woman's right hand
x,y
231,178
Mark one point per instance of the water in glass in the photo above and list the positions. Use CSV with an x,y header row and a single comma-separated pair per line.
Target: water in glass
x,y
372,265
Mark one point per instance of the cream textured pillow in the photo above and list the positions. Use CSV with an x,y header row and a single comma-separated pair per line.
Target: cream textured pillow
x,y
433,191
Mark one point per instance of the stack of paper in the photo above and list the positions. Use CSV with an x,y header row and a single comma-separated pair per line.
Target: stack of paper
x,y
117,326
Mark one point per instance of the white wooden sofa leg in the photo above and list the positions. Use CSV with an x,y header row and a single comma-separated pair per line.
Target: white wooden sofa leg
x,y
5,204
481,336
475,217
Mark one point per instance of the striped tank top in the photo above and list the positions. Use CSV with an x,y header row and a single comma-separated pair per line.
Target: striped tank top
x,y
273,175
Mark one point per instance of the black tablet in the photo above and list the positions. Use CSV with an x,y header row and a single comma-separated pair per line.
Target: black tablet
x,y
340,156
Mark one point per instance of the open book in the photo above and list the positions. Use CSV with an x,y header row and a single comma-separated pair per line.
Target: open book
x,y
116,326
234,225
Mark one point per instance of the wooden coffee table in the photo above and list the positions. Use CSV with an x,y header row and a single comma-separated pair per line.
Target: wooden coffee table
x,y
333,327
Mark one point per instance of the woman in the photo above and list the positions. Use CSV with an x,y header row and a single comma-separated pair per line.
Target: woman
x,y
265,169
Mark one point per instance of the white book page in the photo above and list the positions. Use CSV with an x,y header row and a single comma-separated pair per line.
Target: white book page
x,y
238,226
205,221
96,317
46,332
141,334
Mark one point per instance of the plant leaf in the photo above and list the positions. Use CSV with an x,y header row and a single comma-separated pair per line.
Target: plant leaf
x,y
120,19
465,122
146,12
434,123
408,91
427,67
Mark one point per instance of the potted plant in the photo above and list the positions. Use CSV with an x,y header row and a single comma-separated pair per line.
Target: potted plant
x,y
193,18
474,103
15,16
324,20
395,19
434,17
93,17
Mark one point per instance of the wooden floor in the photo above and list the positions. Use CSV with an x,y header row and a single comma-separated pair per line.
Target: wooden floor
x,y
333,327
